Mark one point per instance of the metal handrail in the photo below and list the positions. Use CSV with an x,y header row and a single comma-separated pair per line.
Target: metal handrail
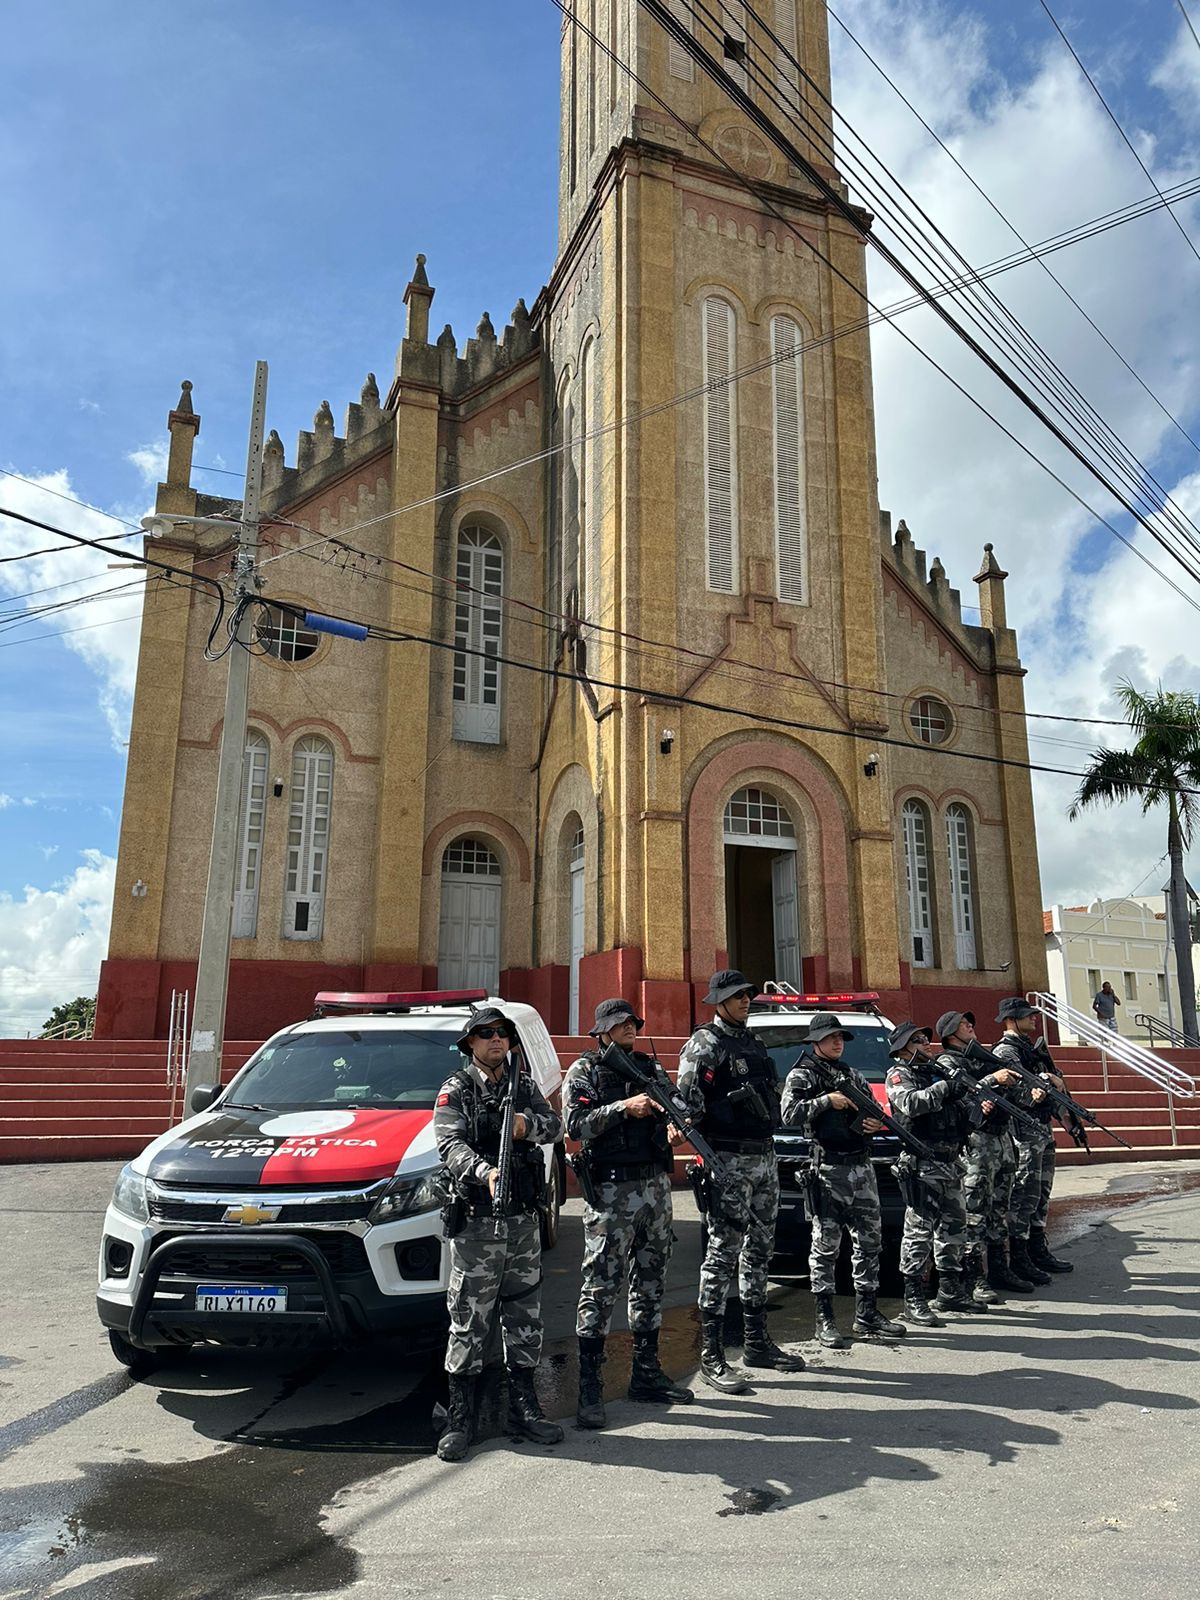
x,y
1164,1075
1173,1035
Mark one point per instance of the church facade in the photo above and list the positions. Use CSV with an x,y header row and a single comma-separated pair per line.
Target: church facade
x,y
677,695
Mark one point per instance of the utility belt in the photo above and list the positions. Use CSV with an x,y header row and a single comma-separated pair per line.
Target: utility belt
x,y
743,1147
944,1152
625,1172
822,1158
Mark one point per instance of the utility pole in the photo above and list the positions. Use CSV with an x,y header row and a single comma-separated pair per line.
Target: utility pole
x,y
212,974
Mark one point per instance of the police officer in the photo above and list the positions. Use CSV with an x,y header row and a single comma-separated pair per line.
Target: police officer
x,y
930,1106
843,1192
729,1081
991,1166
494,1263
1028,1250
627,1161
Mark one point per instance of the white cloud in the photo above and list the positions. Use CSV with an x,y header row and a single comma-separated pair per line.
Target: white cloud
x,y
151,462
90,405
103,631
1087,610
48,850
52,942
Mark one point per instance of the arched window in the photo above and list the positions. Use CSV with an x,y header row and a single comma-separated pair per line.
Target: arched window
x,y
575,849
962,895
479,574
760,871
791,520
469,924
720,446
755,815
250,833
284,637
919,875
308,838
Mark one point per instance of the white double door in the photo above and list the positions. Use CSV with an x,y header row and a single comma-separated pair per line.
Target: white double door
x,y
469,933
786,916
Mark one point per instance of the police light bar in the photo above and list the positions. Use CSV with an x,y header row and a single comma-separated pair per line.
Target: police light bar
x,y
850,998
389,1000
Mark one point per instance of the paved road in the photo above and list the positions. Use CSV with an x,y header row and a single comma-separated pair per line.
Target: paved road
x,y
1052,1447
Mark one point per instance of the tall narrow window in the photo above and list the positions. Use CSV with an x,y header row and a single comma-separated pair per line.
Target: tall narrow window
x,y
958,843
591,83
469,924
919,876
791,529
679,63
570,508
575,872
720,446
589,499
253,814
479,574
572,97
308,839
614,54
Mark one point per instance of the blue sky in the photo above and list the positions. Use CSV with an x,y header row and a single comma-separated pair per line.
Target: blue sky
x,y
188,189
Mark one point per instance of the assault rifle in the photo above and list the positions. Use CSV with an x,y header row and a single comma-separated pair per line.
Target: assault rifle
x,y
502,1198
1072,1113
976,1093
673,1106
865,1104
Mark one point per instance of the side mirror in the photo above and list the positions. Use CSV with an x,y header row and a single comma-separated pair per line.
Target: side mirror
x,y
202,1096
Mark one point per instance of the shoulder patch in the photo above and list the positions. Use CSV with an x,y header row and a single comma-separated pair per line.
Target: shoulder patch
x,y
895,1079
443,1099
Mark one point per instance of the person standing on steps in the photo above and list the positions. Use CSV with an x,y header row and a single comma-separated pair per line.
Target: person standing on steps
x,y
495,1263
625,1167
843,1193
728,1079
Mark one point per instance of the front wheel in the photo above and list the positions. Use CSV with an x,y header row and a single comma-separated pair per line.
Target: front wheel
x,y
137,1362
552,1210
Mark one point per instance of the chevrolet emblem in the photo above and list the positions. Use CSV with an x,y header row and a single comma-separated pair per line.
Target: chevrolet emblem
x,y
249,1214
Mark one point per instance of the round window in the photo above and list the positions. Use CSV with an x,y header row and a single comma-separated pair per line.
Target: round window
x,y
283,637
930,720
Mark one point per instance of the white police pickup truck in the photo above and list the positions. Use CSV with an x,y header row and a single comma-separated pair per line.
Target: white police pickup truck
x,y
303,1199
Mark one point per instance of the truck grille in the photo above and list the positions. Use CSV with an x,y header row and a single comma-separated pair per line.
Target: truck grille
x,y
267,1261
352,1209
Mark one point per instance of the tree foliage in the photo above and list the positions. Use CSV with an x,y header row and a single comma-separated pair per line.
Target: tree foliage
x,y
72,1019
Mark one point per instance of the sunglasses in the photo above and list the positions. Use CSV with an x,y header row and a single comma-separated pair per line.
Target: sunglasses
x,y
489,1033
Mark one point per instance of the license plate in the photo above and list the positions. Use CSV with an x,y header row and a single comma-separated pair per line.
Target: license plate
x,y
240,1297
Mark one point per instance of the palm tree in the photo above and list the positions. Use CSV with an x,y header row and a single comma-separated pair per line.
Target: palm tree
x,y
1161,768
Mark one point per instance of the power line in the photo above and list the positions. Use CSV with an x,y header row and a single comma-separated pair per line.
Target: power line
x,y
73,500
1188,20
1013,229
1129,145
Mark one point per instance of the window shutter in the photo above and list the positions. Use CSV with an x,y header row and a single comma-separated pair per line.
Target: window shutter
x,y
679,63
920,897
958,844
253,815
720,447
479,572
791,530
308,839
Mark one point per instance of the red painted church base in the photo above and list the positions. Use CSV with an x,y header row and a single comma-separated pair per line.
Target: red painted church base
x,y
134,1000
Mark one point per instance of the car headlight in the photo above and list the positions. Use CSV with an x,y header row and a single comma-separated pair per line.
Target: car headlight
x,y
405,1197
130,1195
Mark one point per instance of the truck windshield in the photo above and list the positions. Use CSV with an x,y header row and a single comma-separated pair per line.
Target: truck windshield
x,y
312,1071
867,1052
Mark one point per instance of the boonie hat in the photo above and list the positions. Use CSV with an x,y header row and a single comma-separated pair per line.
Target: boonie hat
x,y
900,1038
611,1012
723,985
1013,1010
948,1022
822,1025
485,1017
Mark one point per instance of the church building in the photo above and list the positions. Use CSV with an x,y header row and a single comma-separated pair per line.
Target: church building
x,y
678,694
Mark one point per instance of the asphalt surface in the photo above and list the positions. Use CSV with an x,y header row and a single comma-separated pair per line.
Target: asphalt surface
x,y
1052,1446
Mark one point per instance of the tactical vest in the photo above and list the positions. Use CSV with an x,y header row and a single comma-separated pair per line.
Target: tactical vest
x,y
943,1130
1022,1093
742,1061
630,1141
996,1121
834,1130
485,1118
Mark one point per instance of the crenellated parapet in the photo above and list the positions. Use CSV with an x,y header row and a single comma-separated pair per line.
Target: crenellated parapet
x,y
440,365
990,643
321,454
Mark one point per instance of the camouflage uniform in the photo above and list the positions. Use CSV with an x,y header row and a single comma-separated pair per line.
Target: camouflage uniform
x,y
935,1223
741,1232
991,1164
848,1195
1034,1178
490,1268
628,1229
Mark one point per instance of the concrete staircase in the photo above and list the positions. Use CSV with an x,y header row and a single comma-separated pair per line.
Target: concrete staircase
x,y
101,1099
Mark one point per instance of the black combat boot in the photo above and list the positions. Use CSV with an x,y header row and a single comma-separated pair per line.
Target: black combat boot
x,y
525,1418
826,1324
589,1413
456,1435
976,1283
1040,1255
1001,1275
952,1293
647,1380
758,1347
1022,1262
916,1307
714,1369
869,1321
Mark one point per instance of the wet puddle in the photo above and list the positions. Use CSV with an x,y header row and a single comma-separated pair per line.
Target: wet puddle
x,y
1071,1218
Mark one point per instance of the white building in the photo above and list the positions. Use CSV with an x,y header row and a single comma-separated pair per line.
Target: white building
x,y
1123,942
